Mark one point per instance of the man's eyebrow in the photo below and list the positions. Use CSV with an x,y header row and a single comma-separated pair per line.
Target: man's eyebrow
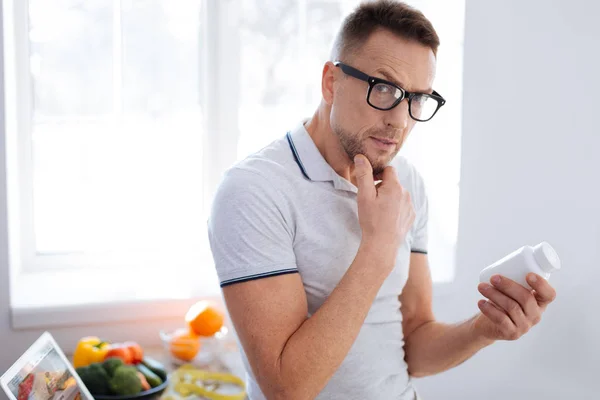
x,y
390,78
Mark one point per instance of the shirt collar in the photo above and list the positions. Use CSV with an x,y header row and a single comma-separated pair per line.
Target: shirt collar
x,y
311,161
308,156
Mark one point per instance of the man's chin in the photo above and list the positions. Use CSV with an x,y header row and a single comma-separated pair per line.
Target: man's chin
x,y
380,158
379,164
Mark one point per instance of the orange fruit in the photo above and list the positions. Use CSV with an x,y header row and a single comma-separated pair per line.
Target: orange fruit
x,y
204,318
184,344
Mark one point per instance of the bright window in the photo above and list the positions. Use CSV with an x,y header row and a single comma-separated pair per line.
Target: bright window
x,y
112,131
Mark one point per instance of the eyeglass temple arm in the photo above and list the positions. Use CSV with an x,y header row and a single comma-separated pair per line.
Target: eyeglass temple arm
x,y
352,71
442,100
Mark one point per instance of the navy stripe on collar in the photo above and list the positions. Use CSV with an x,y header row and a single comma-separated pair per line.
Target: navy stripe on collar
x,y
296,156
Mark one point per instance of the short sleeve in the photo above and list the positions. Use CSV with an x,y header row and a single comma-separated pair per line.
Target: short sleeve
x,y
249,229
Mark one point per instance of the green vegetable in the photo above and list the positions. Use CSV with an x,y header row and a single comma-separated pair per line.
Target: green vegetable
x,y
155,367
95,379
153,379
111,364
125,381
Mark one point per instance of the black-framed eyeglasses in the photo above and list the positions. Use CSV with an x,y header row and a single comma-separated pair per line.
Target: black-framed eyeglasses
x,y
385,95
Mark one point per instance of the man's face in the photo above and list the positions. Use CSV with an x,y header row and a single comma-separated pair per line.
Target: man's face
x,y
409,65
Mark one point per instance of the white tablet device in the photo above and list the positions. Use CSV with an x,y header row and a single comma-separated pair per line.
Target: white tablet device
x,y
43,372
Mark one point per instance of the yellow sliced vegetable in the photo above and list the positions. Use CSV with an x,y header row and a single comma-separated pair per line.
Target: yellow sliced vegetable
x,y
188,380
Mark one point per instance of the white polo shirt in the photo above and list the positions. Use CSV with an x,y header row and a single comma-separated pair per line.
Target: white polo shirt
x,y
284,210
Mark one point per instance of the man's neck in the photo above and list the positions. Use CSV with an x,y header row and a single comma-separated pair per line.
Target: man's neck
x,y
328,144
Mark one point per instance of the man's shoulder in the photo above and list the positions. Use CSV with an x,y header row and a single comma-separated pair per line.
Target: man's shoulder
x,y
259,173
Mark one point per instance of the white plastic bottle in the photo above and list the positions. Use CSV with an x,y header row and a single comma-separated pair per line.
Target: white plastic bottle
x,y
541,259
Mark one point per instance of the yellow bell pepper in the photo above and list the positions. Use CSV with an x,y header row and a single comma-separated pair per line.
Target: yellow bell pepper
x,y
90,349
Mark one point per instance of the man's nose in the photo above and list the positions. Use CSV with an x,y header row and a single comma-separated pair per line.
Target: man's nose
x,y
398,117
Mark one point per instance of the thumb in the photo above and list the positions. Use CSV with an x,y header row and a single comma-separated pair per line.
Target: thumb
x,y
363,172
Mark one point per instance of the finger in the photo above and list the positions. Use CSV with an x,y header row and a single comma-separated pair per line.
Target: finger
x,y
518,293
389,174
505,303
406,198
410,219
497,316
389,178
544,293
363,172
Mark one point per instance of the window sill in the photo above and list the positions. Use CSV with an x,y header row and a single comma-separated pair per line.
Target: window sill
x,y
42,300
75,298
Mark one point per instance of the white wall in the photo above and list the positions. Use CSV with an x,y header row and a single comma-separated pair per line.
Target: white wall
x,y
530,173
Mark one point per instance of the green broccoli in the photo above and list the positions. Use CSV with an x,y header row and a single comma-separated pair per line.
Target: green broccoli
x,y
111,364
95,379
125,381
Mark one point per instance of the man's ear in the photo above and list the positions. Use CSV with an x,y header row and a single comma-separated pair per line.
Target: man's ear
x,y
327,81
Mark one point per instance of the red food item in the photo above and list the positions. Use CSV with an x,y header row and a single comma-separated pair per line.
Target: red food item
x,y
25,387
121,352
137,353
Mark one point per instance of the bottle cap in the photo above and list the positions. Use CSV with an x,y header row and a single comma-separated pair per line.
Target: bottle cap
x,y
546,257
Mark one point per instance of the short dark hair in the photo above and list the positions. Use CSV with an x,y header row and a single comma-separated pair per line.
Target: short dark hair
x,y
397,17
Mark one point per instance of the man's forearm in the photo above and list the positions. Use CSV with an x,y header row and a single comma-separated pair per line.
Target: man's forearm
x,y
435,347
316,350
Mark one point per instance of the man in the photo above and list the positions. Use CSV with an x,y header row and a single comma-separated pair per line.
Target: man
x,y
321,245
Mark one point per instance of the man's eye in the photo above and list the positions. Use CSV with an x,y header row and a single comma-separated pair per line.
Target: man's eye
x,y
384,89
418,99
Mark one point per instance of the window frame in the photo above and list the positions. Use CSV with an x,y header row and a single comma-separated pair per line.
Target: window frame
x,y
218,76
33,272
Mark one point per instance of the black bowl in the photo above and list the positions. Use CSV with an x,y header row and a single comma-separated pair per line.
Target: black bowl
x,y
147,394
